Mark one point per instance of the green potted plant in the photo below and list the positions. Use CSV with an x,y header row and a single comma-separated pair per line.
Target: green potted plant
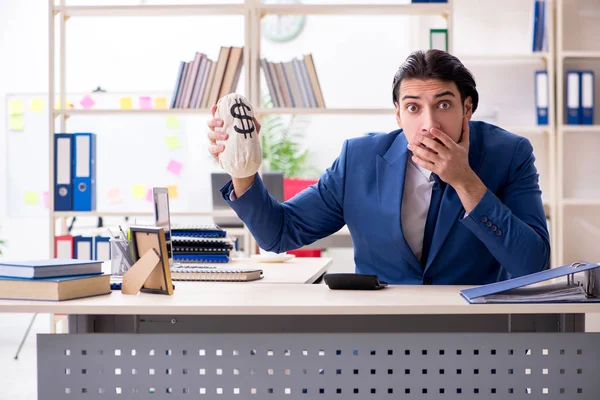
x,y
283,151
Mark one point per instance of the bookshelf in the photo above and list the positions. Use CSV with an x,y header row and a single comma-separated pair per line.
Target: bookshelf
x,y
252,11
578,185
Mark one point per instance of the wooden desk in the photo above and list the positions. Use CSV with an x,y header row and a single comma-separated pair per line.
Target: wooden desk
x,y
272,340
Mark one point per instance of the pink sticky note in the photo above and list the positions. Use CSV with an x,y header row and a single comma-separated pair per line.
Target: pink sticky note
x,y
87,102
145,102
149,195
46,199
174,167
114,196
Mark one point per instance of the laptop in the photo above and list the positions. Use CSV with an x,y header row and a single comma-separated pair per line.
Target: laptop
x,y
273,182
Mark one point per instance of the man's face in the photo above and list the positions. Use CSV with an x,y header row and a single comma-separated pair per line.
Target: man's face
x,y
431,103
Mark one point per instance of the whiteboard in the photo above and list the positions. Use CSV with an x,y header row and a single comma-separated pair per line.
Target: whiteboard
x,y
135,152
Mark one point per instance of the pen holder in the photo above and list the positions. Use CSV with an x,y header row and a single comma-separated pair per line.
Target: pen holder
x,y
121,257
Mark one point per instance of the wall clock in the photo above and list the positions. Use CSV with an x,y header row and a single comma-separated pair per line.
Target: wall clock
x,y
282,28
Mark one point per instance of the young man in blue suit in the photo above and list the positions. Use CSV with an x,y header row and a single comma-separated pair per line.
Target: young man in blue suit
x,y
442,200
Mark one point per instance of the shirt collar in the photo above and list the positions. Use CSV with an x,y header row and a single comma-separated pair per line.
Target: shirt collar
x,y
426,173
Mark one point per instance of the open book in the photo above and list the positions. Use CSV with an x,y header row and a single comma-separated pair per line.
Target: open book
x,y
581,284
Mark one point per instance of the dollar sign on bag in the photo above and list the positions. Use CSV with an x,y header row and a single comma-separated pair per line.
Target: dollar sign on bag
x,y
238,110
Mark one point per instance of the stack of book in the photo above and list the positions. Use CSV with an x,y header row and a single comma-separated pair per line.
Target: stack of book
x,y
293,83
200,244
54,279
201,82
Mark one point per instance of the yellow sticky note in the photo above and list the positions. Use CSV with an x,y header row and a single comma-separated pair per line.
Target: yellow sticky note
x,y
58,104
173,192
126,103
173,142
37,105
172,121
31,198
16,107
16,123
160,103
139,191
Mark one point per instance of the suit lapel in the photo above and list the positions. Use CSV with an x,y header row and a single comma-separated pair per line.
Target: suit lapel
x,y
451,205
391,171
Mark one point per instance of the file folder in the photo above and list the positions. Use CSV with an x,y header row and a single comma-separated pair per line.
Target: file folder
x,y
541,97
512,290
101,248
573,97
84,177
587,98
63,247
83,247
63,184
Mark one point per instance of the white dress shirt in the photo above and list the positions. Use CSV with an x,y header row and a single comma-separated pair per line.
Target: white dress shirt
x,y
415,205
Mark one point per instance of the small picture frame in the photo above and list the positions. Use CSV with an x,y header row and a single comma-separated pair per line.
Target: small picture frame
x,y
149,238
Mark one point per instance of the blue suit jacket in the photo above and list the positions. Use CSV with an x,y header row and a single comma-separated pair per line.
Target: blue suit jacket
x,y
504,236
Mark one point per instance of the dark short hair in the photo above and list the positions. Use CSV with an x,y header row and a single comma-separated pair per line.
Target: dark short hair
x,y
437,64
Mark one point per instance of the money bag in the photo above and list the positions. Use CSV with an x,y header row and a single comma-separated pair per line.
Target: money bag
x,y
242,156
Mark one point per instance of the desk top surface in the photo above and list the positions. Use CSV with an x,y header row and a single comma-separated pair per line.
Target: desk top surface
x,y
247,298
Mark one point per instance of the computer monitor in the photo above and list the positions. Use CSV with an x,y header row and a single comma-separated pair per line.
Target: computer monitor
x,y
273,182
162,216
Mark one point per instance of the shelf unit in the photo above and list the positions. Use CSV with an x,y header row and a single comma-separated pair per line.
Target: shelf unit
x,y
575,213
252,12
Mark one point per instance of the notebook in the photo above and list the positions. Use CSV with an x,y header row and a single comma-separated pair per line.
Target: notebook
x,y
49,268
211,273
582,284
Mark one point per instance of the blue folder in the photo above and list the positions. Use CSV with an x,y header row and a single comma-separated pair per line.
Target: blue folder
x,y
476,294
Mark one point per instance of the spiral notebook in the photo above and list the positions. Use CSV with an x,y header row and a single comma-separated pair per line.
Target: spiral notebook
x,y
210,273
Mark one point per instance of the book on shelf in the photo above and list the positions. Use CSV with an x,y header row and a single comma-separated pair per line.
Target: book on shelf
x,y
201,82
55,288
294,83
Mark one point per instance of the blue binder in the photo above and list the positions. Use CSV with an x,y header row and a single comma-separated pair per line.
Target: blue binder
x,y
83,249
101,248
63,180
587,98
541,96
573,99
84,172
473,294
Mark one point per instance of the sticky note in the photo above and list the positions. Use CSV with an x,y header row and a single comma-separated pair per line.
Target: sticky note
x,y
160,103
57,104
173,192
172,121
139,191
87,102
149,196
16,123
46,199
173,142
16,107
114,196
31,198
126,103
37,105
174,167
145,102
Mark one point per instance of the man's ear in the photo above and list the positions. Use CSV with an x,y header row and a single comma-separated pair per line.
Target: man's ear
x,y
398,119
469,107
